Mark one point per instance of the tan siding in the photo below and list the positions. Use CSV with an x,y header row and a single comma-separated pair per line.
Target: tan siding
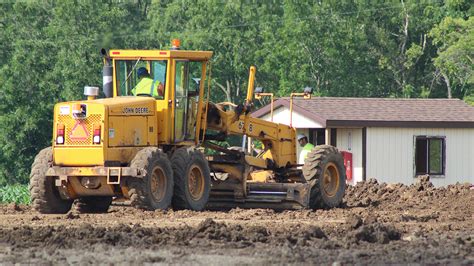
x,y
282,115
354,146
390,154
459,157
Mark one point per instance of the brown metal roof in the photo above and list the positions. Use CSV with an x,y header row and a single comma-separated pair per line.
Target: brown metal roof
x,y
338,111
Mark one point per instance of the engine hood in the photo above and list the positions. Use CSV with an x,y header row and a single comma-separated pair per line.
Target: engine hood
x,y
127,105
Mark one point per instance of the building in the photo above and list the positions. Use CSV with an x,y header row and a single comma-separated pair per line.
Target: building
x,y
392,140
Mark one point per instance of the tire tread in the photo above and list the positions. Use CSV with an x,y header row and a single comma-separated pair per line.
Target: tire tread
x,y
313,170
41,187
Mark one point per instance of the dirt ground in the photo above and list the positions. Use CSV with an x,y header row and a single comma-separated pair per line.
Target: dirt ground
x,y
377,224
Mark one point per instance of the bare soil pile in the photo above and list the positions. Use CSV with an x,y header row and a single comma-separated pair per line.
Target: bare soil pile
x,y
422,192
378,223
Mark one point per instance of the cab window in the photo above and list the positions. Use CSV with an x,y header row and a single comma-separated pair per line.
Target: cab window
x,y
187,80
152,84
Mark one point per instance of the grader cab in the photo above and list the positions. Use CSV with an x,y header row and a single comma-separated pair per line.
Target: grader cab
x,y
149,148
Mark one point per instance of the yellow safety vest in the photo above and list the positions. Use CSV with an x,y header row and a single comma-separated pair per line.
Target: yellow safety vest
x,y
146,86
304,153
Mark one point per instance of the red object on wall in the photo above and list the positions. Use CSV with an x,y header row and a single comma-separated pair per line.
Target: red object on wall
x,y
347,164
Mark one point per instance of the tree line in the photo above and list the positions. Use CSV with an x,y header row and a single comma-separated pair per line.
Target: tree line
x,y
50,49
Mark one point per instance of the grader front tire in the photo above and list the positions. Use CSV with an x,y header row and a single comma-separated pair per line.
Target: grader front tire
x,y
44,194
324,170
192,179
155,190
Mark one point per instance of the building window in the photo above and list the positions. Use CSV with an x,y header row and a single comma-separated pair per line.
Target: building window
x,y
430,155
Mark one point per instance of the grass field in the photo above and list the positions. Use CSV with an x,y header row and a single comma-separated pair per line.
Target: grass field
x,y
17,193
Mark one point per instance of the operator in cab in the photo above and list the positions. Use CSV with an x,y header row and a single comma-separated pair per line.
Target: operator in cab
x,y
307,147
147,86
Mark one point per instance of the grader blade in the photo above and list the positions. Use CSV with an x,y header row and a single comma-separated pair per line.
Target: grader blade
x,y
276,196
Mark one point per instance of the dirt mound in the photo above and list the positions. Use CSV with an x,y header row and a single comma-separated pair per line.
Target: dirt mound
x,y
207,233
375,233
12,208
362,242
377,224
371,193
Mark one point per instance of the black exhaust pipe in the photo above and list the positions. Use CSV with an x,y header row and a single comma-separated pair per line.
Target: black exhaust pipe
x,y
107,72
107,81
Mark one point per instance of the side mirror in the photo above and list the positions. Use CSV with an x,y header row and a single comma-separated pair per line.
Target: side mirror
x,y
197,86
257,91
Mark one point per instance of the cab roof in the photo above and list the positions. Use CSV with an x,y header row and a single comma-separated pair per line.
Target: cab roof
x,y
160,54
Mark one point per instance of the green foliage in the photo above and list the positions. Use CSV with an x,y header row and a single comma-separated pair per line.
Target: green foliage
x,y
51,54
15,193
408,91
455,40
413,54
50,51
469,99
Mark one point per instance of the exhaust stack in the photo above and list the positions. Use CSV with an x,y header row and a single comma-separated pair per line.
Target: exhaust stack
x,y
107,81
107,71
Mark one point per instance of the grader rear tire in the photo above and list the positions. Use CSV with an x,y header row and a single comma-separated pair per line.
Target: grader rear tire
x,y
192,179
155,190
44,194
93,204
324,170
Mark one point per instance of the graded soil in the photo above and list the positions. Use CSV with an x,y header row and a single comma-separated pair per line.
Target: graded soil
x,y
376,224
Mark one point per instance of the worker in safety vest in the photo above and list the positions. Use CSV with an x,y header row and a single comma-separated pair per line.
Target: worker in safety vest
x,y
146,85
307,147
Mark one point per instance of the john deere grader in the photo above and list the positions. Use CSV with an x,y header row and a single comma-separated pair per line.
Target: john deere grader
x,y
148,148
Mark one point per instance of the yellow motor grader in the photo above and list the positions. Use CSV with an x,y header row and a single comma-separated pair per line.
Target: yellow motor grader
x,y
149,148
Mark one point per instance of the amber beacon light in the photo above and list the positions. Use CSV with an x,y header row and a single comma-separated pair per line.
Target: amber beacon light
x,y
175,44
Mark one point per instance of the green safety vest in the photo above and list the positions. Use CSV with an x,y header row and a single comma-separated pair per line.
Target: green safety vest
x,y
306,149
146,86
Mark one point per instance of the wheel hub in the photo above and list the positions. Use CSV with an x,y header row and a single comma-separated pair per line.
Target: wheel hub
x,y
331,179
158,183
195,182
